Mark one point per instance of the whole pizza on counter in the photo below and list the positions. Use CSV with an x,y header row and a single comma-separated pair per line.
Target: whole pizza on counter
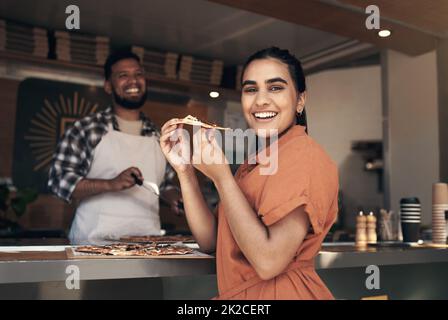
x,y
163,239
125,249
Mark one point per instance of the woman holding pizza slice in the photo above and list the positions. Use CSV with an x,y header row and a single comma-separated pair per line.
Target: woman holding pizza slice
x,y
268,228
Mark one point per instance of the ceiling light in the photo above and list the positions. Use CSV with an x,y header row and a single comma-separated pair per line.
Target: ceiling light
x,y
384,33
214,94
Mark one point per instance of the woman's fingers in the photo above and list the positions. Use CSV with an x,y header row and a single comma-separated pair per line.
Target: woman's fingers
x,y
169,123
166,137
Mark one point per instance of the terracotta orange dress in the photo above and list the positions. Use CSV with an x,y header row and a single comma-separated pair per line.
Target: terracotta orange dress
x,y
306,176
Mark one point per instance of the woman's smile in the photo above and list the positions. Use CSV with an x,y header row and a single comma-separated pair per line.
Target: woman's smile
x,y
265,116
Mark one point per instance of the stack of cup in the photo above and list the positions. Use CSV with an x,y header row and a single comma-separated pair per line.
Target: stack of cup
x,y
439,206
410,216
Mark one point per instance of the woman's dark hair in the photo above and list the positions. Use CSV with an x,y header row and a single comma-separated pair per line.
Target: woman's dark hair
x,y
116,56
294,67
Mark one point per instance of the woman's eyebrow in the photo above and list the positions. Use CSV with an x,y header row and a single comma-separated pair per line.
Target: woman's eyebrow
x,y
247,82
278,79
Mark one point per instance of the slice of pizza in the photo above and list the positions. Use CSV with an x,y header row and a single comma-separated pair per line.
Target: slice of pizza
x,y
102,250
169,250
193,121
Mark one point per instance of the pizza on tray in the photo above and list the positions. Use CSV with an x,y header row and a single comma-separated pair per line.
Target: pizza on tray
x,y
124,249
193,121
158,239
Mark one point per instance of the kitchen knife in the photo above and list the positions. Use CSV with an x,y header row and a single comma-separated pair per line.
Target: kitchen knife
x,y
155,189
151,186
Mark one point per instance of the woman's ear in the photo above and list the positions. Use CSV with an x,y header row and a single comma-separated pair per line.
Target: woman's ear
x,y
301,102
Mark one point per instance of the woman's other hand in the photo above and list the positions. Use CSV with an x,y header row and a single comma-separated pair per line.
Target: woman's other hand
x,y
208,156
174,141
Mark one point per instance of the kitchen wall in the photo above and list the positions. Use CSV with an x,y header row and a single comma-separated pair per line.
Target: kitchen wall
x,y
411,111
344,105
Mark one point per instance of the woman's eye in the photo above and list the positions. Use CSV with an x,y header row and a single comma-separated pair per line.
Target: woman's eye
x,y
276,88
122,75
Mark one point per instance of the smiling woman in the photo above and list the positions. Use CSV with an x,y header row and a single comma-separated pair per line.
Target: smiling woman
x,y
295,72
269,97
268,228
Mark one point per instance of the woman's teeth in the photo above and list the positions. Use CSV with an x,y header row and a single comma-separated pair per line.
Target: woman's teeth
x,y
265,115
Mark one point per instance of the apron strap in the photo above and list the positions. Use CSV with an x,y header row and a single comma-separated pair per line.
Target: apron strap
x,y
256,280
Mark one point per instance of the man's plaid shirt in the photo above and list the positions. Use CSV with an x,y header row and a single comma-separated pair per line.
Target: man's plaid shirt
x,y
74,154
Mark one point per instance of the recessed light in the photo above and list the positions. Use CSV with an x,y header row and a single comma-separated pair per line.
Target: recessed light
x,y
384,33
214,94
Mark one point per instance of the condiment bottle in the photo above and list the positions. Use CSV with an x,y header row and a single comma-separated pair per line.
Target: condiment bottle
x,y
361,230
371,228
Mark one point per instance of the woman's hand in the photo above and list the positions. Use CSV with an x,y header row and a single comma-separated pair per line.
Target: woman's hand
x,y
208,156
176,146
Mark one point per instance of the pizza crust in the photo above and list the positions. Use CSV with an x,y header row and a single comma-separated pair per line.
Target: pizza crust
x,y
193,121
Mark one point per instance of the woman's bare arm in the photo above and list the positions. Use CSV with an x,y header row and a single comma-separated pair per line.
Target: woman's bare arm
x,y
268,249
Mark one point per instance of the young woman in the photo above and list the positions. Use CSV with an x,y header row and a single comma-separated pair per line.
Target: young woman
x,y
268,228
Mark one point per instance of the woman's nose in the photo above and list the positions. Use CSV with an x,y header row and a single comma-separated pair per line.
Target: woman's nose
x,y
261,99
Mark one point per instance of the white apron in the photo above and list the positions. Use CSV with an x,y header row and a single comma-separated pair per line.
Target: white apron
x,y
133,211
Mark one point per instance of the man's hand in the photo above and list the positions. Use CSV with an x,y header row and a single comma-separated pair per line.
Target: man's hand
x,y
125,180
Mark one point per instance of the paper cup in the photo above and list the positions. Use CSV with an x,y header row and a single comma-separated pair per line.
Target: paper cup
x,y
410,201
440,193
411,231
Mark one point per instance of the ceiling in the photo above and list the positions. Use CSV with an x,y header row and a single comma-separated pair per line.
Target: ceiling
x,y
197,27
231,30
427,16
416,24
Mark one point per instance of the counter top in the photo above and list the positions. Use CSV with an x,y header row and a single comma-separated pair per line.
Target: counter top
x,y
347,255
49,263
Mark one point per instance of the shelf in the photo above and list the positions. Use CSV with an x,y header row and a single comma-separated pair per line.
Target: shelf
x,y
165,83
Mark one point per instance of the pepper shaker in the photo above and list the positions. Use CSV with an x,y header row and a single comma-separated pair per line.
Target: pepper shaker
x,y
371,228
361,230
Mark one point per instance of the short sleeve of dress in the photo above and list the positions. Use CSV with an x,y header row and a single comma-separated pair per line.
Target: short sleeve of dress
x,y
305,177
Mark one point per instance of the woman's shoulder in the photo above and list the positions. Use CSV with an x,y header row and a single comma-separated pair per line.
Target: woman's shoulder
x,y
305,148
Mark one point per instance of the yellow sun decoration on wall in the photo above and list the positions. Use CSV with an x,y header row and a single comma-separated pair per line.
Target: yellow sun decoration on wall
x,y
50,123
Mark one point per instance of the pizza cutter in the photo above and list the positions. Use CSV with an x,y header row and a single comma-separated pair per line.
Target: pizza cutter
x,y
151,186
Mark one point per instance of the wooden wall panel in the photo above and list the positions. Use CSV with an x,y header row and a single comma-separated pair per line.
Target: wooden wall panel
x,y
8,99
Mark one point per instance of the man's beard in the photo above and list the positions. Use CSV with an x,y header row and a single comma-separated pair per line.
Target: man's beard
x,y
129,104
